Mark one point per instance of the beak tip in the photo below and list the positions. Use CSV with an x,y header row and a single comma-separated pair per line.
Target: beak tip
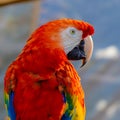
x,y
83,62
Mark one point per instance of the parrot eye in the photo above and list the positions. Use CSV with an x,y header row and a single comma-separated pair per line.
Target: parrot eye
x,y
72,31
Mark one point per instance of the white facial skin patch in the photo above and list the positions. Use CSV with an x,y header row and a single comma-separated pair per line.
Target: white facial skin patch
x,y
71,37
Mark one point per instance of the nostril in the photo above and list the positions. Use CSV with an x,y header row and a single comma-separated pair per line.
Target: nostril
x,y
81,45
77,47
82,42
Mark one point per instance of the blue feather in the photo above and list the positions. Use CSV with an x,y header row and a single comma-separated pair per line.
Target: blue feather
x,y
11,111
66,117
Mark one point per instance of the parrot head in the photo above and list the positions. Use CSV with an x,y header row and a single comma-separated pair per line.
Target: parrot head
x,y
72,36
77,41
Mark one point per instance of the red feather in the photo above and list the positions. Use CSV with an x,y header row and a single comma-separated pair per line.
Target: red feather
x,y
32,76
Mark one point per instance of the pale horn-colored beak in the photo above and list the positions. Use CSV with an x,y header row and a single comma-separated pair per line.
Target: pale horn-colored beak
x,y
88,49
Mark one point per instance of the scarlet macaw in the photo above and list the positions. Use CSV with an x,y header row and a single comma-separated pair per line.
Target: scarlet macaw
x,y
42,84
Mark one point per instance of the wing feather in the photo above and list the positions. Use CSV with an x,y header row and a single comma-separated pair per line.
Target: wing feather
x,y
9,86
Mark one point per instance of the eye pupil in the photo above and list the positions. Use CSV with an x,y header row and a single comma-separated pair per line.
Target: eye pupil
x,y
72,31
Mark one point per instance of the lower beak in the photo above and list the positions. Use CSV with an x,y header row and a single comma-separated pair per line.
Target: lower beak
x,y
78,53
83,51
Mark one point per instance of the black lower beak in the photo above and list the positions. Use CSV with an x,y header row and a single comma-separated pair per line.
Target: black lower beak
x,y
77,53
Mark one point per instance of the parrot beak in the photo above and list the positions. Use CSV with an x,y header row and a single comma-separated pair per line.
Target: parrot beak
x,y
83,51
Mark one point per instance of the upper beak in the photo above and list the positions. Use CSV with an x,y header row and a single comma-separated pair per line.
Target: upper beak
x,y
83,51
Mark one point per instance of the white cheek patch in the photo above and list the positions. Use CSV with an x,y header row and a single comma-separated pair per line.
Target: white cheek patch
x,y
70,40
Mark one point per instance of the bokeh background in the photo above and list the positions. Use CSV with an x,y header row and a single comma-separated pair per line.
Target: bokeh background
x,y
101,77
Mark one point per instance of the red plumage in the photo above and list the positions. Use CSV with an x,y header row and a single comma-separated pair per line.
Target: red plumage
x,y
34,76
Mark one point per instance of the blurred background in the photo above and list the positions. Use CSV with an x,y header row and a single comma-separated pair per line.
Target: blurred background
x,y
101,77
